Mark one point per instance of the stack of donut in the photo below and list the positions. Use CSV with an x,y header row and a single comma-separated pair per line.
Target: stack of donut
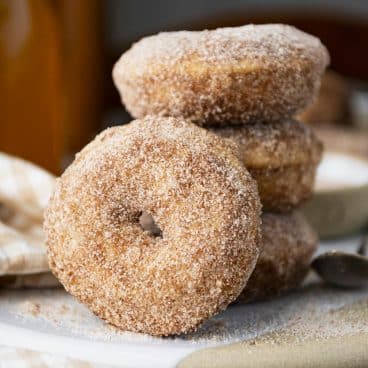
x,y
157,225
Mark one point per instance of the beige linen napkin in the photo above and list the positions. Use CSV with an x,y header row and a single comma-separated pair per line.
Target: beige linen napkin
x,y
24,193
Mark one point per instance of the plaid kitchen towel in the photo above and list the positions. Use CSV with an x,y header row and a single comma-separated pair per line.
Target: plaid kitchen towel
x,y
24,193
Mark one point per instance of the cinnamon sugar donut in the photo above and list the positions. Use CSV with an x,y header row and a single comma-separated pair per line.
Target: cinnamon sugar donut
x,y
223,76
201,197
288,243
282,157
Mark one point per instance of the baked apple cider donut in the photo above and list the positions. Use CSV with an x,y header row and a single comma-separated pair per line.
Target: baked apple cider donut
x,y
288,244
228,75
282,157
203,201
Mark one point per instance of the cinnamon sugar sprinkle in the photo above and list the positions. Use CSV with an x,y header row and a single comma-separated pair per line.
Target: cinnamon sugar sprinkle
x,y
316,311
273,145
228,75
199,195
288,244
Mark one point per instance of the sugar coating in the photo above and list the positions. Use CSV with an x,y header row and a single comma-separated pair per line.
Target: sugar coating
x,y
288,243
228,75
273,145
285,188
281,156
198,193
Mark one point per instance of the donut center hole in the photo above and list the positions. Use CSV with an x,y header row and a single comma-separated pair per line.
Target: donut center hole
x,y
147,223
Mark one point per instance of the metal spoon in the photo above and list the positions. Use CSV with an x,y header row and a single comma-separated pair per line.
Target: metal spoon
x,y
344,269
363,249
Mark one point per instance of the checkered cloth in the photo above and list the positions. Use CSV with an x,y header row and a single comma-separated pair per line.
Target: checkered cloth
x,y
24,192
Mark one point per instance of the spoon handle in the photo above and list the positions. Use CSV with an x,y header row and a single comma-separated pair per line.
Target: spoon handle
x,y
363,249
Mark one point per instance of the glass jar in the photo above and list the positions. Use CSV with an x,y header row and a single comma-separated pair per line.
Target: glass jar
x,y
30,82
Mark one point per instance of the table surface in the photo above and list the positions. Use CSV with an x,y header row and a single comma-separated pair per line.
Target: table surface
x,y
54,323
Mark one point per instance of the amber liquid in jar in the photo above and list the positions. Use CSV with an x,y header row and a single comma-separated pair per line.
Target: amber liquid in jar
x,y
30,82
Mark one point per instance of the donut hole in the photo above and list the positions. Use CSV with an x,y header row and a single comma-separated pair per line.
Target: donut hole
x,y
147,223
